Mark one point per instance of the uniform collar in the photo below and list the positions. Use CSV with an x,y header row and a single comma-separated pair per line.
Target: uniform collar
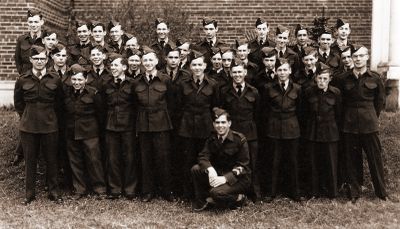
x,y
322,52
35,72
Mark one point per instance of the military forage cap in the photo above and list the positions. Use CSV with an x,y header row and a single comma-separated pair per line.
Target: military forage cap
x,y
77,68
98,23
325,31
47,33
310,51
358,47
80,23
215,51
181,41
36,50
207,21
130,52
113,56
323,68
57,48
239,43
112,24
33,12
160,20
281,61
196,54
298,28
146,50
260,21
345,49
281,29
268,52
340,23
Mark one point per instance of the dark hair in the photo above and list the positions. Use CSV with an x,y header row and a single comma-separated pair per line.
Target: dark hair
x,y
218,112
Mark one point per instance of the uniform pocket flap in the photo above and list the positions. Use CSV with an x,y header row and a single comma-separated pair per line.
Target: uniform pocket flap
x,y
371,85
51,86
28,86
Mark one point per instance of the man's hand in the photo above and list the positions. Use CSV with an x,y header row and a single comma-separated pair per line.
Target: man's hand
x,y
211,172
217,181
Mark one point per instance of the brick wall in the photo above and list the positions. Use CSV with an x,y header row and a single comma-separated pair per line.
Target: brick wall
x,y
13,24
237,16
234,17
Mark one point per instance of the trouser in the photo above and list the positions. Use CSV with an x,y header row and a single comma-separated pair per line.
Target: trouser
x,y
225,194
46,144
18,150
285,150
323,158
63,161
85,156
371,145
156,162
255,189
122,162
191,149
265,158
304,165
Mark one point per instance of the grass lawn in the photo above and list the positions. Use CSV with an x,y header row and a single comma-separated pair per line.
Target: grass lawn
x,y
368,212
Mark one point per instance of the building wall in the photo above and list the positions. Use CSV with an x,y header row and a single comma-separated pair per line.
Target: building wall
x,y
13,24
234,17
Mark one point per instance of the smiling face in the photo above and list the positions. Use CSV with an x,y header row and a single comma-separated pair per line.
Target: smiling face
x,y
243,51
325,41
78,81
197,66
132,44
162,31
98,34
310,61
222,125
83,33
97,57
185,50
35,24
149,61
60,58
134,62
269,62
39,61
216,61
238,74
116,33
360,58
117,67
346,58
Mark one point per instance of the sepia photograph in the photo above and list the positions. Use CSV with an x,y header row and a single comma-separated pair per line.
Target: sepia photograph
x,y
199,114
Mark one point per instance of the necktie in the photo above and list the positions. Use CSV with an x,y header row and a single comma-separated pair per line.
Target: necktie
x,y
261,42
60,73
324,55
118,82
39,75
283,87
211,43
269,73
280,54
220,140
239,89
198,83
150,78
77,93
310,73
171,75
98,71
34,37
162,43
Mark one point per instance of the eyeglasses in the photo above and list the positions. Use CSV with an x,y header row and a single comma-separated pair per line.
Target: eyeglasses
x,y
38,58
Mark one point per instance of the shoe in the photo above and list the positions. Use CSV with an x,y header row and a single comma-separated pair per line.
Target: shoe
x,y
130,196
113,196
269,199
392,199
198,205
17,159
240,202
353,200
27,201
77,196
147,197
170,197
101,196
56,199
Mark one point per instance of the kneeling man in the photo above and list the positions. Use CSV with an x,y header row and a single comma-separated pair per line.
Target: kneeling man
x,y
222,174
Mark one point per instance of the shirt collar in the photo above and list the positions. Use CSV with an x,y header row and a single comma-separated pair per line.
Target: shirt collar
x,y
165,41
122,77
243,85
286,83
38,34
153,73
35,72
322,52
283,50
63,69
228,135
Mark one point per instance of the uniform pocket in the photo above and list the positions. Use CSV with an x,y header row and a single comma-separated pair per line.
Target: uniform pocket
x,y
51,86
370,85
28,86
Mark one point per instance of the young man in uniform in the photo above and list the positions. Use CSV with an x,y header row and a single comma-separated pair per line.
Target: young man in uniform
x,y
117,35
241,101
99,33
38,96
261,41
80,52
323,114
83,108
120,133
363,95
163,44
283,51
282,98
325,54
302,40
98,71
343,31
184,47
198,95
153,125
222,175
134,63
242,53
